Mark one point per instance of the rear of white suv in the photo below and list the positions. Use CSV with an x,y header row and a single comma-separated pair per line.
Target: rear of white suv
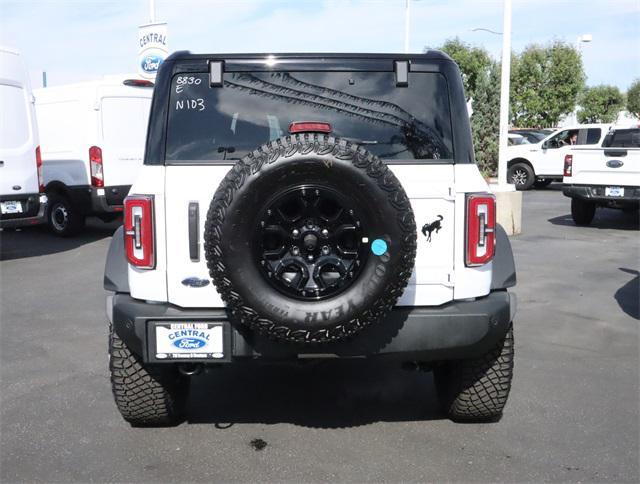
x,y
311,207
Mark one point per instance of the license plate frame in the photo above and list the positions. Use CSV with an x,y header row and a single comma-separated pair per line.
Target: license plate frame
x,y
192,334
616,192
11,207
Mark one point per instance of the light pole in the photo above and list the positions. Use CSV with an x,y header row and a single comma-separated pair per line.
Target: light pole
x,y
504,94
152,11
407,24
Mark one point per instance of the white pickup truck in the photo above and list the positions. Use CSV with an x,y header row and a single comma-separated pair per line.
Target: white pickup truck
x,y
608,176
538,164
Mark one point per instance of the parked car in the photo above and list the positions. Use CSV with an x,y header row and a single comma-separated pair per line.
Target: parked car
x,y
541,163
607,176
93,136
292,185
531,135
516,139
22,200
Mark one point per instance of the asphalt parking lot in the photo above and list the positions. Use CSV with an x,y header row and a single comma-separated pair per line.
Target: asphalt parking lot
x,y
572,416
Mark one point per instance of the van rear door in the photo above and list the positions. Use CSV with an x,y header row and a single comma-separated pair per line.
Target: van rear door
x,y
18,129
123,128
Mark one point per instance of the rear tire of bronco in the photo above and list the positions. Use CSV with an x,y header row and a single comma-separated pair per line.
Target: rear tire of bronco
x,y
63,218
477,389
146,396
521,175
582,212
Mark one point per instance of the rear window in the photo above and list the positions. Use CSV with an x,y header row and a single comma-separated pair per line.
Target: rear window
x,y
14,121
221,123
623,138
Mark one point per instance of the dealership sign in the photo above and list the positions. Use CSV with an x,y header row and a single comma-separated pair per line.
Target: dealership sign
x,y
152,48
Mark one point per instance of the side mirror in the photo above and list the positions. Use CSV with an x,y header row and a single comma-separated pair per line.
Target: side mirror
x,y
545,145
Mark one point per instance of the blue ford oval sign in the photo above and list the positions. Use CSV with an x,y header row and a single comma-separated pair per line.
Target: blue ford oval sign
x,y
615,163
151,63
189,343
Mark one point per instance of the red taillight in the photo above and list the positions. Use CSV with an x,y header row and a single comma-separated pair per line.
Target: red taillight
x,y
568,165
95,161
139,231
137,83
309,127
39,168
481,229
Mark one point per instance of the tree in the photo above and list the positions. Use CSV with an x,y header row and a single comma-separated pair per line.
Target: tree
x,y
473,62
485,121
600,104
633,98
545,83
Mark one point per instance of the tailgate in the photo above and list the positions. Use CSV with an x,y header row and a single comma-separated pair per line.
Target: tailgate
x,y
432,197
606,166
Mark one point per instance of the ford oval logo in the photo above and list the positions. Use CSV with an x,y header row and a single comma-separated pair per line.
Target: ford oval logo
x,y
189,343
195,282
151,63
614,163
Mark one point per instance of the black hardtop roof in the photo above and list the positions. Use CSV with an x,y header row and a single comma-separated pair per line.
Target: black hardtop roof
x,y
428,55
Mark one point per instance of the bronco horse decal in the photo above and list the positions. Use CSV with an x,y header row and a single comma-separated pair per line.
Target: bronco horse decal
x,y
435,226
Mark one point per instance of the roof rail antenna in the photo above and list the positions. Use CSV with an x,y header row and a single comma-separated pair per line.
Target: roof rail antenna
x,y
215,73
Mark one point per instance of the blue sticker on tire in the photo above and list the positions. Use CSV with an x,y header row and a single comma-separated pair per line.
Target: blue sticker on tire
x,y
378,247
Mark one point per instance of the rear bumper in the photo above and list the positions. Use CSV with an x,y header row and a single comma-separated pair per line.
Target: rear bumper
x,y
34,205
460,329
596,194
109,199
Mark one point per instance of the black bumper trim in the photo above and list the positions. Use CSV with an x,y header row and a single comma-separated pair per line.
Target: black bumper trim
x,y
112,201
595,193
34,213
460,329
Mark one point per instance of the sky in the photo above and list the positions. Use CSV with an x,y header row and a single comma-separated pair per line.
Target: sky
x,y
76,40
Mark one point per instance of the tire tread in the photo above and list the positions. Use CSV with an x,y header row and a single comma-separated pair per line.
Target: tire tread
x,y
477,389
144,395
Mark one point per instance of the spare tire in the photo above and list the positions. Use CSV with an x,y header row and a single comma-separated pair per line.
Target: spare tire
x,y
310,239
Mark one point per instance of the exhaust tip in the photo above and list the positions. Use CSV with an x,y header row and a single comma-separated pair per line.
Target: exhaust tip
x,y
190,369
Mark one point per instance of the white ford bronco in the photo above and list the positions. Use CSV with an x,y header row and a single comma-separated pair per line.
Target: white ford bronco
x,y
309,206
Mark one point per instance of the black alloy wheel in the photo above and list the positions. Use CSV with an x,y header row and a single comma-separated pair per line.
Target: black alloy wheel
x,y
311,242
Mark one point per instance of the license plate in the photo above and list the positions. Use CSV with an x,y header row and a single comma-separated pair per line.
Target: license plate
x,y
177,341
11,207
614,191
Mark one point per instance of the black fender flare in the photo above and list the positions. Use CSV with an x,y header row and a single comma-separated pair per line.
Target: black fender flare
x,y
503,274
116,268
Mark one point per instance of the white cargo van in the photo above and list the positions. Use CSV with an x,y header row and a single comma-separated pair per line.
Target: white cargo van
x,y
21,199
93,136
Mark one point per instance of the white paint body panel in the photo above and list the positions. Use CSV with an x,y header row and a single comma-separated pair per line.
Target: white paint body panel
x,y
18,129
589,167
102,113
151,285
439,275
